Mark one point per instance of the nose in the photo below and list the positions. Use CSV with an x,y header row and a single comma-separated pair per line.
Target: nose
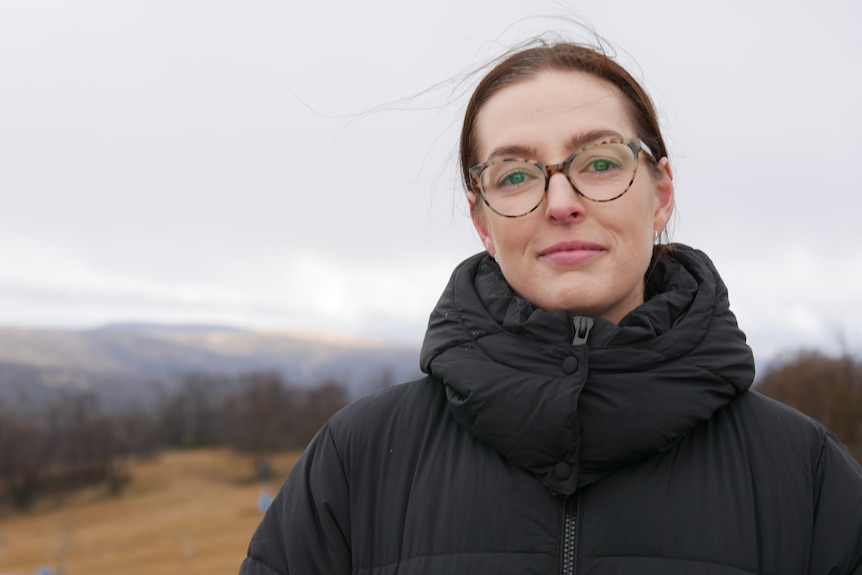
x,y
564,204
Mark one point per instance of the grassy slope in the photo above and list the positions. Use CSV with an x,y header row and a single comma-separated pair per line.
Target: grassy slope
x,y
183,513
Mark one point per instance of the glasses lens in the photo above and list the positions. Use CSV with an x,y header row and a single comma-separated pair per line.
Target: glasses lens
x,y
604,171
513,187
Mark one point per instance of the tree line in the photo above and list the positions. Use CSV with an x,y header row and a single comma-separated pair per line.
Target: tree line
x,y
73,442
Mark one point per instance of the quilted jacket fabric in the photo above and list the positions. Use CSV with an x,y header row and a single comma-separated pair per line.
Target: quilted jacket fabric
x,y
543,443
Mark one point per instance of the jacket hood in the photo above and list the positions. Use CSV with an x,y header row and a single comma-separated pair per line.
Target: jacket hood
x,y
572,410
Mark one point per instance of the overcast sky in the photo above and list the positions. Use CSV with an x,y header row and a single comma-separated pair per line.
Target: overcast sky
x,y
287,165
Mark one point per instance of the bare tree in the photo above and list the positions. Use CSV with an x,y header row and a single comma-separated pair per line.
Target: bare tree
x,y
189,415
267,414
25,452
260,418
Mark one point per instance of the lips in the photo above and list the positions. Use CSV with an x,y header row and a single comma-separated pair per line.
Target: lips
x,y
572,253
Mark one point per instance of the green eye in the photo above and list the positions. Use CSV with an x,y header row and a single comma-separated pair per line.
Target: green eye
x,y
601,165
514,179
511,177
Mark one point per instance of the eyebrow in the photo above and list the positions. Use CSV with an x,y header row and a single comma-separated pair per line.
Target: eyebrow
x,y
576,142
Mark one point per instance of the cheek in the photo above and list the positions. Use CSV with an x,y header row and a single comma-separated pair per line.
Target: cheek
x,y
482,222
512,236
641,212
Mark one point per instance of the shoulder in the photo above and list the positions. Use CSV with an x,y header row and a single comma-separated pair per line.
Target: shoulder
x,y
780,436
770,416
775,424
352,447
395,401
381,440
401,410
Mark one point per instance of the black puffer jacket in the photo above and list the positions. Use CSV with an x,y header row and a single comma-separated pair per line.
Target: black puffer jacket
x,y
544,443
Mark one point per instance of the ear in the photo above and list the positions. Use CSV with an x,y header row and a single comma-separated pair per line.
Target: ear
x,y
477,215
664,195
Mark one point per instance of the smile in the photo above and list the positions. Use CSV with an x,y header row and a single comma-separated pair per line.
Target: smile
x,y
572,253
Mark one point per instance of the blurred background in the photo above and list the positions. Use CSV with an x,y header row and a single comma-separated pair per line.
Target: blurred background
x,y
212,209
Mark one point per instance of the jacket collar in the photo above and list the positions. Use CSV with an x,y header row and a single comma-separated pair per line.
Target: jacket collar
x,y
573,413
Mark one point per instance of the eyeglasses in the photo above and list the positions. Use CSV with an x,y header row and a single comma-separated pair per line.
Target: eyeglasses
x,y
602,172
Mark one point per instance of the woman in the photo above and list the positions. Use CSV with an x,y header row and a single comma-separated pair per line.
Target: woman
x,y
587,405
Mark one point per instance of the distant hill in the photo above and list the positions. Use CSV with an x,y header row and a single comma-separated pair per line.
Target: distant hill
x,y
131,362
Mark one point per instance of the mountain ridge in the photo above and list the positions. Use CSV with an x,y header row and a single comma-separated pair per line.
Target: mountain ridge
x,y
129,361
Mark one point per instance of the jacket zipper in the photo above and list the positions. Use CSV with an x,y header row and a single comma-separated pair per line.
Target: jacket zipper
x,y
570,535
582,325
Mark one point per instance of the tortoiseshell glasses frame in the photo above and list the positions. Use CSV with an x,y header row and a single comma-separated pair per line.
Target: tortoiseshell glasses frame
x,y
600,172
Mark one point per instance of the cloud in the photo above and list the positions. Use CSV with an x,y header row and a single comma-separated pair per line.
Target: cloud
x,y
304,291
277,165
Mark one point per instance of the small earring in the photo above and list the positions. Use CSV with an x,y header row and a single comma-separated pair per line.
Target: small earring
x,y
497,258
656,237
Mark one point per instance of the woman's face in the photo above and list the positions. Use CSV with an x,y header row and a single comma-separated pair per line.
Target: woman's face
x,y
570,253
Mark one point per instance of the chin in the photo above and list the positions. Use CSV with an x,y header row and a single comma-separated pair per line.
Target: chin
x,y
574,303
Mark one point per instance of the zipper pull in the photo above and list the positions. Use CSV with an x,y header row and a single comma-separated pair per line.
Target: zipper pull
x,y
582,325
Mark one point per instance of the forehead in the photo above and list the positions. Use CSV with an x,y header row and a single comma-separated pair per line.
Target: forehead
x,y
548,111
